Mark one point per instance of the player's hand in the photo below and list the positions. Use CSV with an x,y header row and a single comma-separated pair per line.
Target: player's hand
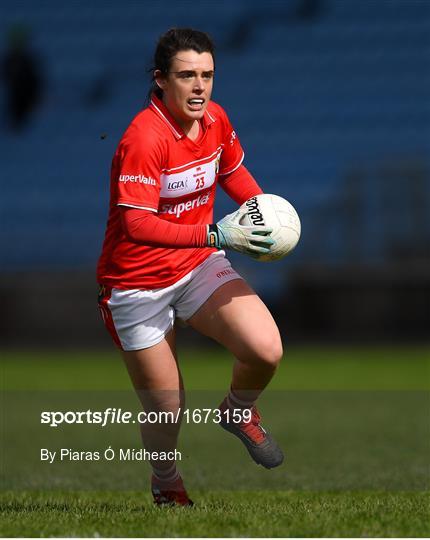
x,y
253,240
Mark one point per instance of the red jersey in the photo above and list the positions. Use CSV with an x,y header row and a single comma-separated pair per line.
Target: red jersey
x,y
157,167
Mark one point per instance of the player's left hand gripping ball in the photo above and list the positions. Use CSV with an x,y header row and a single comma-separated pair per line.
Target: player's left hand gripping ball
x,y
253,240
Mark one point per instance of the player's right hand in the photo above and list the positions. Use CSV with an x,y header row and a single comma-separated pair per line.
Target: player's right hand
x,y
253,240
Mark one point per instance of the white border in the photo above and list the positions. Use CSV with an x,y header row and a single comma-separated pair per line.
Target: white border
x,y
236,167
138,207
167,120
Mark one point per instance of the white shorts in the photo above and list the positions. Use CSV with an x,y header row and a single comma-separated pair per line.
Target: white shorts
x,y
138,319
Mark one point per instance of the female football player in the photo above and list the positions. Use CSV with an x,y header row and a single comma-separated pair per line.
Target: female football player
x,y
163,257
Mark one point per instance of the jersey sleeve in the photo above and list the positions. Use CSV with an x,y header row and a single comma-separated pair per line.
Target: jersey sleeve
x,y
143,227
137,174
232,154
240,185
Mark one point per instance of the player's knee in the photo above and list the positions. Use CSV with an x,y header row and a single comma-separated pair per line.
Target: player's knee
x,y
270,351
274,353
166,401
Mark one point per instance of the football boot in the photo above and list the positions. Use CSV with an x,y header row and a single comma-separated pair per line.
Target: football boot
x,y
173,494
261,446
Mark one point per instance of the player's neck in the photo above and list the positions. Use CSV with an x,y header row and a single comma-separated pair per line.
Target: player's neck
x,y
193,131
191,127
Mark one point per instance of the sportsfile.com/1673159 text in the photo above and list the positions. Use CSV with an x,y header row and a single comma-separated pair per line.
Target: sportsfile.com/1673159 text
x,y
112,415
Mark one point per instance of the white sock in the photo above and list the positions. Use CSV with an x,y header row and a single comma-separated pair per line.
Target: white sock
x,y
166,476
233,402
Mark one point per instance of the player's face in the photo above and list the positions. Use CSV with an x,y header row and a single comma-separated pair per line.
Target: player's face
x,y
187,88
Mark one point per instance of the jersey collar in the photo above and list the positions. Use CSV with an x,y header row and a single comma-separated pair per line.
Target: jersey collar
x,y
162,111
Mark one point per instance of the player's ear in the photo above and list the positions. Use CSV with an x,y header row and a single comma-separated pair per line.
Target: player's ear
x,y
160,79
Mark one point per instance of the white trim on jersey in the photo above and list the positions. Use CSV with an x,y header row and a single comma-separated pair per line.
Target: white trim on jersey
x,y
191,180
193,162
234,168
172,127
210,116
138,207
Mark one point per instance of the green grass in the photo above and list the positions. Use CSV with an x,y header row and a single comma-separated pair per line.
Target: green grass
x,y
303,368
353,422
253,514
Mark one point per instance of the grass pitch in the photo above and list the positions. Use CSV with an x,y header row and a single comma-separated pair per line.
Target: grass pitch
x,y
219,514
356,430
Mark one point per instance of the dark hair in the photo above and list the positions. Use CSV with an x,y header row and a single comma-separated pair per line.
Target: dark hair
x,y
173,41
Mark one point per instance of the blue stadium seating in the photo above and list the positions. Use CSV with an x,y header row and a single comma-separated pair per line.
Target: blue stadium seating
x,y
312,99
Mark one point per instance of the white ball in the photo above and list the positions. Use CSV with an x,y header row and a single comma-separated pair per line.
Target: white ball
x,y
278,214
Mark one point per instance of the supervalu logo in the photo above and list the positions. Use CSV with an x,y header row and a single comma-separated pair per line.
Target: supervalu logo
x,y
178,209
137,179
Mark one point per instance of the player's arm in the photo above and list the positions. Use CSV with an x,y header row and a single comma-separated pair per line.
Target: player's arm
x,y
145,227
240,185
234,177
138,199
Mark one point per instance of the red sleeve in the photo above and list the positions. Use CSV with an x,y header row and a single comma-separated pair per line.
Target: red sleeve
x,y
240,185
232,153
144,227
137,171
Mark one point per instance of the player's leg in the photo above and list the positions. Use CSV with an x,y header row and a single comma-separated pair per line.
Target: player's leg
x,y
140,323
236,317
158,382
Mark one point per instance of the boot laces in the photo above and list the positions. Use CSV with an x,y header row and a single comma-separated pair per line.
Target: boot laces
x,y
252,428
